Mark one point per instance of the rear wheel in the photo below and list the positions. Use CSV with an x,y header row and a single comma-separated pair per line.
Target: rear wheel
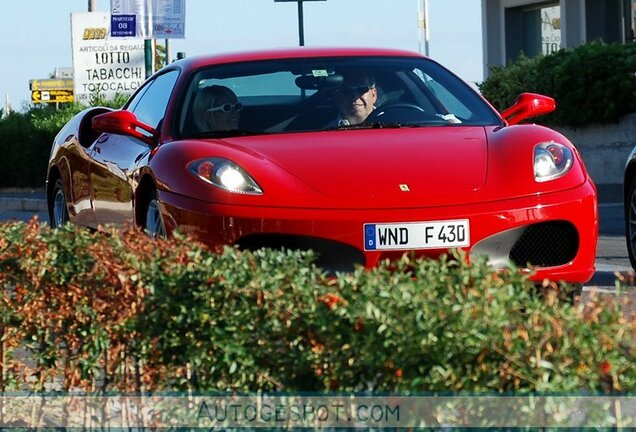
x,y
58,211
630,221
154,225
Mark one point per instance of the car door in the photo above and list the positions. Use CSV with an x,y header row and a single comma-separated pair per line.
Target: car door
x,y
114,157
75,151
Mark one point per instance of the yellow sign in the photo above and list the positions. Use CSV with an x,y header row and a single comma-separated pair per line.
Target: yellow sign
x,y
52,84
95,33
52,96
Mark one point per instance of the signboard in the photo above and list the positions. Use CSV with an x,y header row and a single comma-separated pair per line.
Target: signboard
x,y
550,29
63,72
100,65
51,84
152,19
52,96
123,25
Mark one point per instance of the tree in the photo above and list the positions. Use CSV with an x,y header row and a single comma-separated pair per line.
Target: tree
x,y
160,56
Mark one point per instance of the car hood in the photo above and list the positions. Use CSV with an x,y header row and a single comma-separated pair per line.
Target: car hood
x,y
396,165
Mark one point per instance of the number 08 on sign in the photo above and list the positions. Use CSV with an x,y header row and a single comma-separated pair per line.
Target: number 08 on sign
x,y
417,235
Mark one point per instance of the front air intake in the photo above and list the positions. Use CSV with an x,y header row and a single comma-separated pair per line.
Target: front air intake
x,y
546,244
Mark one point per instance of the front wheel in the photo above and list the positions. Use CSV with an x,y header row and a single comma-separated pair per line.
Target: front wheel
x,y
58,210
576,291
154,225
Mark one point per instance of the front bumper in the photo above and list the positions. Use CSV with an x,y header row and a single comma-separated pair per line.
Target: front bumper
x,y
495,227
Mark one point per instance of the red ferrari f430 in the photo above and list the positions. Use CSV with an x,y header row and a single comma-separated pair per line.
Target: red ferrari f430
x,y
358,154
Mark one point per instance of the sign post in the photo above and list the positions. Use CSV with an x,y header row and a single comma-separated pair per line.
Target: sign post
x,y
301,24
422,25
149,64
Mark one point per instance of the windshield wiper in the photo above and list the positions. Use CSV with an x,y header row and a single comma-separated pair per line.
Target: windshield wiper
x,y
393,125
376,125
415,124
336,128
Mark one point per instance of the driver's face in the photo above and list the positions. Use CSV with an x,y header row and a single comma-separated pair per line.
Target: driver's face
x,y
223,120
355,104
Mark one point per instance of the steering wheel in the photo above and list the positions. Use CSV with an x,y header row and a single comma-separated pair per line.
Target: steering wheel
x,y
400,112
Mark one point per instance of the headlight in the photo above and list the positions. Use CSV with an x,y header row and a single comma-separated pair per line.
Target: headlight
x,y
225,174
551,161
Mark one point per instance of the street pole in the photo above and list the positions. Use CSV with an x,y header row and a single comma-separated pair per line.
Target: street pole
x,y
301,24
148,56
422,26
92,5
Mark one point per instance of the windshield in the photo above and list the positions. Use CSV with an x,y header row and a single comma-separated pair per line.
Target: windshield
x,y
317,94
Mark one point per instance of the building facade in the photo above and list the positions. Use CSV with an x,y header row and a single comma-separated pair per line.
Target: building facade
x,y
531,27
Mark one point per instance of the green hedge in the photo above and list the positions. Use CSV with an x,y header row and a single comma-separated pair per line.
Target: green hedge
x,y
118,311
593,83
26,149
26,139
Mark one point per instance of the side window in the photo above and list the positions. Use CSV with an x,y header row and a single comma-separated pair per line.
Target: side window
x,y
152,103
132,103
444,96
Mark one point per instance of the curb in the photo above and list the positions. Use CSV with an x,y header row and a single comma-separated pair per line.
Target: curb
x,y
23,204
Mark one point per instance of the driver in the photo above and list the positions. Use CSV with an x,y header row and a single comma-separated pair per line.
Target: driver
x,y
355,99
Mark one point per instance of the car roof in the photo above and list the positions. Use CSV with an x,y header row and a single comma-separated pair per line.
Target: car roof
x,y
289,53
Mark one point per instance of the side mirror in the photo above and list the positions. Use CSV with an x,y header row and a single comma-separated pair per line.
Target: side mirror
x,y
528,105
125,123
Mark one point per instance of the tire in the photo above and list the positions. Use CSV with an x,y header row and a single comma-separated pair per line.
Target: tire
x,y
58,209
566,292
153,223
630,221
576,293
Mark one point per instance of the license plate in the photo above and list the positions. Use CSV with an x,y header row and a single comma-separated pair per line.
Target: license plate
x,y
417,235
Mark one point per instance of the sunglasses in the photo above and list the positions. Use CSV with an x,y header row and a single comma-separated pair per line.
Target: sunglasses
x,y
226,108
354,90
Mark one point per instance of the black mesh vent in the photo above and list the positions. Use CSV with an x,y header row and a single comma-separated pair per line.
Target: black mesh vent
x,y
546,244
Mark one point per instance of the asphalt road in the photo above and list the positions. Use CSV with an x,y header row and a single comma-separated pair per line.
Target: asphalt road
x,y
611,255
